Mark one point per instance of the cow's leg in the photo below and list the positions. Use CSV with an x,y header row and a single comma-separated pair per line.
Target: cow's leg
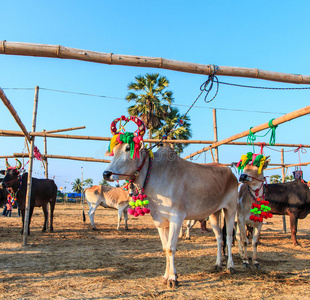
x,y
230,221
119,219
189,225
243,243
22,211
45,211
214,219
163,234
171,247
256,232
91,213
293,223
52,207
125,218
30,215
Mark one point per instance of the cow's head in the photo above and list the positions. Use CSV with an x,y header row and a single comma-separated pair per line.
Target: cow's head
x,y
11,174
252,166
125,147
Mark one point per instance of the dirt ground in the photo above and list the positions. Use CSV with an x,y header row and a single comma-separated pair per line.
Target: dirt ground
x,y
76,262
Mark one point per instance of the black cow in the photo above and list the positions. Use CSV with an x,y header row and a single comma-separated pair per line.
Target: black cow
x,y
43,191
290,198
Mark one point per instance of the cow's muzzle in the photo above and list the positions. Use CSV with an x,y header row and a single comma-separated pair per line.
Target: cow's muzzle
x,y
107,175
245,178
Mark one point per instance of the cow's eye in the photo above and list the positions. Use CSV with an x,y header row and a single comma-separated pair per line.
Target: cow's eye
x,y
127,148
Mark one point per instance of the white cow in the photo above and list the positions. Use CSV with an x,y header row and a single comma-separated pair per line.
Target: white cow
x,y
251,191
108,197
179,190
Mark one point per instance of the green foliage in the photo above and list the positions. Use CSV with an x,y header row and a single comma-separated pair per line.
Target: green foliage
x,y
77,186
278,178
153,107
180,133
152,100
88,183
104,182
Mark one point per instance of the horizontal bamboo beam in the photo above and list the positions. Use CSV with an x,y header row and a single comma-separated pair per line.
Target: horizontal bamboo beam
x,y
12,110
12,133
61,130
287,117
62,157
289,165
57,51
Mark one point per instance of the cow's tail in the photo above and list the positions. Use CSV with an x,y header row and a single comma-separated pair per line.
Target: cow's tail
x,y
84,218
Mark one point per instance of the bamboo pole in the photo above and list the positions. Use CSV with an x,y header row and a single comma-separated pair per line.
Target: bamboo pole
x,y
45,156
57,51
11,133
287,117
62,130
216,150
289,165
29,183
283,181
12,110
45,159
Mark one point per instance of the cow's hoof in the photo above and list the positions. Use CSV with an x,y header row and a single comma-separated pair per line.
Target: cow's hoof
x,y
172,283
165,281
232,270
43,230
94,228
246,266
188,238
51,230
257,266
217,268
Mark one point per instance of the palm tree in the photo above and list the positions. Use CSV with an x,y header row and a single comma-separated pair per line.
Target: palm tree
x,y
152,101
278,178
174,132
77,186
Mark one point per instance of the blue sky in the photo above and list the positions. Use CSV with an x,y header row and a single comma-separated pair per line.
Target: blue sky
x,y
269,35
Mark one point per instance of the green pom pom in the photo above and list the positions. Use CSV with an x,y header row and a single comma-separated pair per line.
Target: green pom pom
x,y
252,210
145,202
131,203
139,202
259,212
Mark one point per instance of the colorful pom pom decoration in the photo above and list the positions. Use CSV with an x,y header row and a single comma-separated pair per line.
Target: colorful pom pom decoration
x,y
138,204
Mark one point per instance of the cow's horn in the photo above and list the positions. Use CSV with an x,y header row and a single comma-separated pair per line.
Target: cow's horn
x,y
140,124
18,164
113,124
7,163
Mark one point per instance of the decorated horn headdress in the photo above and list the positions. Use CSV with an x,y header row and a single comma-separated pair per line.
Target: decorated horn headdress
x,y
17,166
250,158
135,140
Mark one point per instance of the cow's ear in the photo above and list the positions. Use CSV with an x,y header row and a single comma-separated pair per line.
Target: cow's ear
x,y
108,153
266,163
2,172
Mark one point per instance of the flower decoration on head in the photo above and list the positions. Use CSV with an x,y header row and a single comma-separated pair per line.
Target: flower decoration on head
x,y
257,160
135,140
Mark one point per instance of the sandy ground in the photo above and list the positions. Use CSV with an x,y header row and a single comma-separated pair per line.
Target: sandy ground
x,y
76,262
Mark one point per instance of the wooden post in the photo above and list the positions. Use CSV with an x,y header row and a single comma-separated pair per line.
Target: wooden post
x,y
216,151
283,180
290,116
29,183
45,158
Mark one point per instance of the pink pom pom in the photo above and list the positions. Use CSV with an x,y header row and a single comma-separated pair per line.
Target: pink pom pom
x,y
144,209
137,208
252,217
260,219
147,211
140,212
136,214
134,198
144,196
131,211
140,196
